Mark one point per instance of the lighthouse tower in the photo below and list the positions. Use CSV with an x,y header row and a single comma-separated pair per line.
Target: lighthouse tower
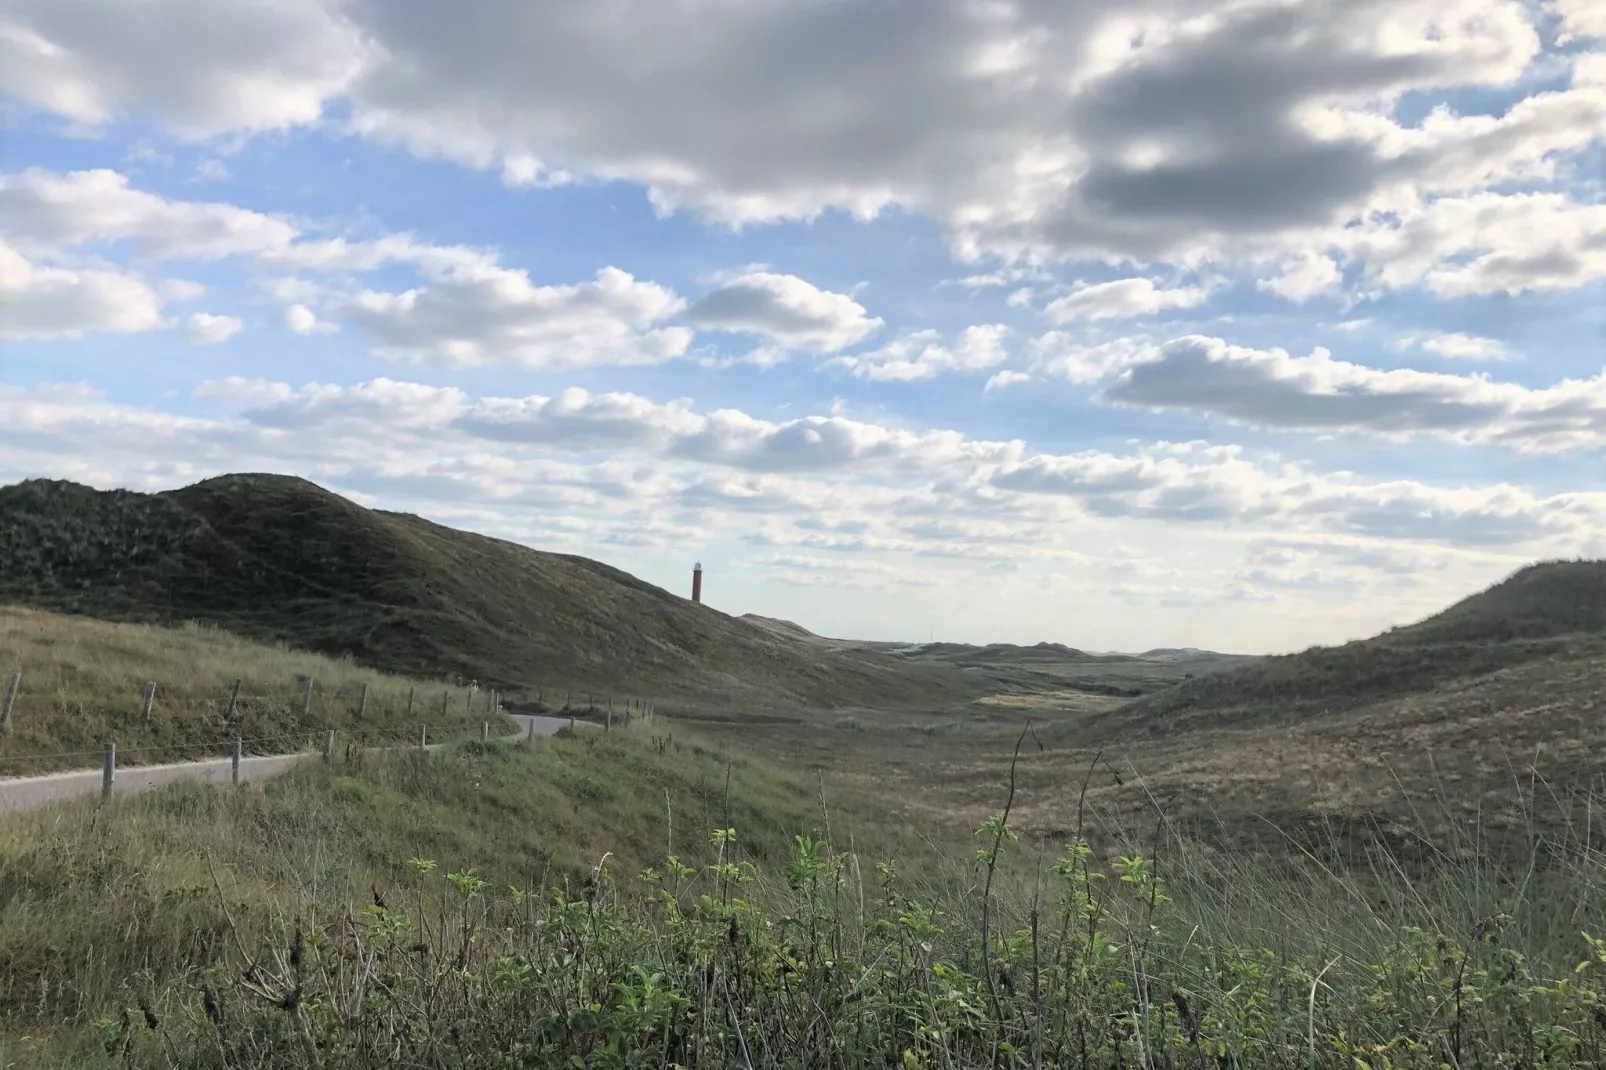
x,y
697,582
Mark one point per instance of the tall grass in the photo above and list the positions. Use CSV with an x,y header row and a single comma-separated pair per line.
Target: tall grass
x,y
529,906
83,682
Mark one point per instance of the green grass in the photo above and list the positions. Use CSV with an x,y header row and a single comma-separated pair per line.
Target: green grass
x,y
102,903
83,681
589,943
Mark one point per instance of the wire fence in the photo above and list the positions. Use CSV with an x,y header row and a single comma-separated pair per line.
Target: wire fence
x,y
213,722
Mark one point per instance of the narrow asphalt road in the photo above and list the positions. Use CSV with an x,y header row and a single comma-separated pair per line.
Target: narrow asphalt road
x,y
29,793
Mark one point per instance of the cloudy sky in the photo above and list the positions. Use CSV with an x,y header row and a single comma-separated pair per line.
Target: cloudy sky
x,y
1234,323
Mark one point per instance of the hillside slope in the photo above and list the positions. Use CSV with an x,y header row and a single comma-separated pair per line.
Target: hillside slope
x,y
279,558
1547,611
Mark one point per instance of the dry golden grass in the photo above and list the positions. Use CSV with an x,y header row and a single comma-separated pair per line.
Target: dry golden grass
x,y
1479,749
83,681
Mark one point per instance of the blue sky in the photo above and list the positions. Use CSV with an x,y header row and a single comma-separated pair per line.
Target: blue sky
x,y
1242,325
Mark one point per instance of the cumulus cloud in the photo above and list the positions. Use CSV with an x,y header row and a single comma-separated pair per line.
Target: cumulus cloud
x,y
1271,388
200,67
299,319
1483,244
497,315
205,329
1122,299
44,210
1141,130
40,301
786,309
922,354
1059,355
1303,277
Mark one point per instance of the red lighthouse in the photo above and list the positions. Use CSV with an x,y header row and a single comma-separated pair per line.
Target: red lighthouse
x,y
697,582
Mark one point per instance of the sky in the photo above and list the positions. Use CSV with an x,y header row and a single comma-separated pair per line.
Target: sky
x,y
1240,324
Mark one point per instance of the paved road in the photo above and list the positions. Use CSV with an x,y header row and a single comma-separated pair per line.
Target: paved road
x,y
543,726
28,793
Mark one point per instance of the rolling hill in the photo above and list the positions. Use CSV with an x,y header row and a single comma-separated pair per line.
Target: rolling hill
x,y
1551,612
279,558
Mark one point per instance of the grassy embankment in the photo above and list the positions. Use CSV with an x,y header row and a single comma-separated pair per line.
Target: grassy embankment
x,y
82,685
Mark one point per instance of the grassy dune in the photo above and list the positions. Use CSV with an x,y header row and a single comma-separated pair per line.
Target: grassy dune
x,y
83,682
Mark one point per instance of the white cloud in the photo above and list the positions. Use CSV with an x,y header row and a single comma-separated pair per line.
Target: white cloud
x,y
1122,299
205,329
1000,380
786,309
1584,18
1156,129
299,319
497,315
201,67
1457,345
42,210
1303,276
1271,388
49,214
39,301
1059,355
922,354
1196,482
1483,244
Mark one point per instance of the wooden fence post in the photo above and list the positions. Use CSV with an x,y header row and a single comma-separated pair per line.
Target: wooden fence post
x,y
362,703
306,701
234,700
13,686
446,702
529,728
423,737
485,732
234,761
108,768
328,743
145,701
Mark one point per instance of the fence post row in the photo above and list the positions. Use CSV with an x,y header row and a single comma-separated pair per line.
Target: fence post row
x,y
423,737
234,761
108,768
485,732
12,687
